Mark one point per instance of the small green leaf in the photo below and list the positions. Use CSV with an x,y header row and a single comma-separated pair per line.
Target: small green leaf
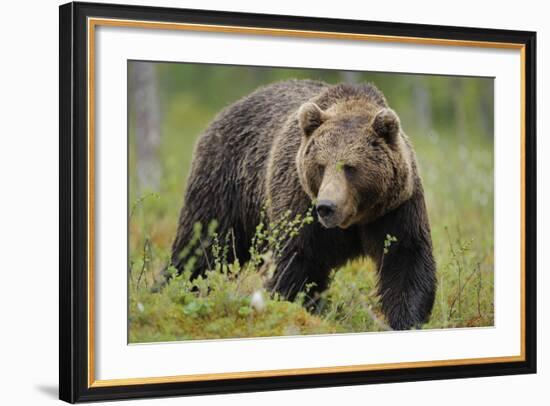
x,y
244,311
191,308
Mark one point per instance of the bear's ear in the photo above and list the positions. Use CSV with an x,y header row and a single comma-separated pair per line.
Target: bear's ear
x,y
386,124
310,117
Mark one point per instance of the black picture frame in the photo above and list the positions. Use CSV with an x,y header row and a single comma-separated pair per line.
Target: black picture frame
x,y
73,284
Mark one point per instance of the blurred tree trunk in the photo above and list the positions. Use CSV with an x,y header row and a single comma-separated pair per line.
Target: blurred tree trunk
x,y
350,77
487,113
144,85
422,103
458,94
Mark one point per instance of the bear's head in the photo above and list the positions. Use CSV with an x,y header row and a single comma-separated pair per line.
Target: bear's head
x,y
354,162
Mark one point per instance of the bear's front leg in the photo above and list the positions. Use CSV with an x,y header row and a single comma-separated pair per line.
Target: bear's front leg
x,y
407,284
295,272
407,270
305,264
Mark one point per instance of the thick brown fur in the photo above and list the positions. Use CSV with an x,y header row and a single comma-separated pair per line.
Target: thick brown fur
x,y
297,142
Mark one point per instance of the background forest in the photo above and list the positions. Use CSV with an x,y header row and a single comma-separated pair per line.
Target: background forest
x,y
450,123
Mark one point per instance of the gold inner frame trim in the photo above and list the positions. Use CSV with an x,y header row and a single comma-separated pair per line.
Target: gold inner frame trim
x,y
94,22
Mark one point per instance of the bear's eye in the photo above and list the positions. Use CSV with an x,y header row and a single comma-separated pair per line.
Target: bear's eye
x,y
350,170
321,169
310,147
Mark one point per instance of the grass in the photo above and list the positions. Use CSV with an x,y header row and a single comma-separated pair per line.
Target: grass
x,y
230,301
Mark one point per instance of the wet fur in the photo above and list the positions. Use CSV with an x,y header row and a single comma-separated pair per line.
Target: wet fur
x,y
255,151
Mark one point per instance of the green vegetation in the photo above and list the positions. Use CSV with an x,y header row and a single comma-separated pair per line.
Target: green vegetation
x,y
448,119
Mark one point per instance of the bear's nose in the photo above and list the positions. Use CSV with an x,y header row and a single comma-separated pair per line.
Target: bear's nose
x,y
325,208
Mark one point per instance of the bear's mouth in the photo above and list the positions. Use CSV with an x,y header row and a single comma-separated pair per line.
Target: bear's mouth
x,y
334,221
346,223
327,223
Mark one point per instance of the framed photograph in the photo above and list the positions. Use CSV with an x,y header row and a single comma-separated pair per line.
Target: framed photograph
x,y
257,202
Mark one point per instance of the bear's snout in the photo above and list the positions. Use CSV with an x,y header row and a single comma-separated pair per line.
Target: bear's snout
x,y
334,206
325,209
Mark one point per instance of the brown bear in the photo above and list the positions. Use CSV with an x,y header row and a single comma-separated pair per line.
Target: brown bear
x,y
339,146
